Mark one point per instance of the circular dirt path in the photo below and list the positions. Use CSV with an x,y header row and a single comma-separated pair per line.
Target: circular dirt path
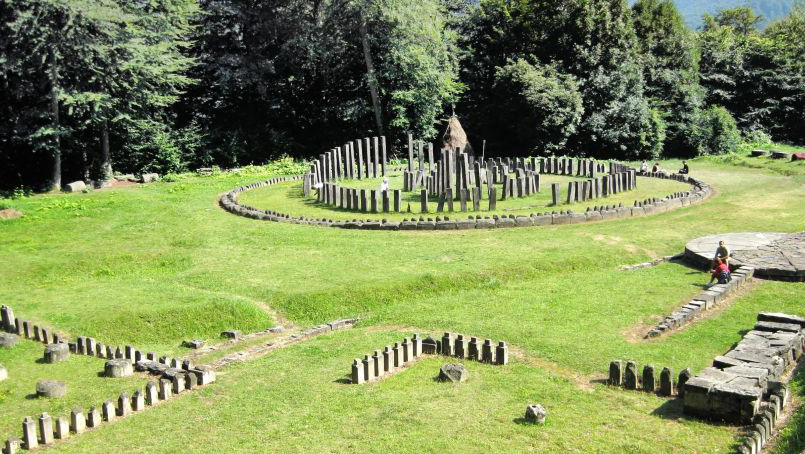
x,y
773,255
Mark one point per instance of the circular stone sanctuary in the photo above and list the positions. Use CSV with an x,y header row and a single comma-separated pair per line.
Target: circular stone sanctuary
x,y
450,179
773,255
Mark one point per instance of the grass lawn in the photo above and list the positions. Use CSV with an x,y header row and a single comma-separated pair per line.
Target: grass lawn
x,y
288,198
154,265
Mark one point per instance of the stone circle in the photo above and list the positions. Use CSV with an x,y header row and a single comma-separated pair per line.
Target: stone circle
x,y
55,353
536,413
51,388
455,373
117,368
8,340
773,255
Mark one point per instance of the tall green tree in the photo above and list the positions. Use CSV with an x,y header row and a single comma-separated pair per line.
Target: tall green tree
x,y
100,69
670,68
593,41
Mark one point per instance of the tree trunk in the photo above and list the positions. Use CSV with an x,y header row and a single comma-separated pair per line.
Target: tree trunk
x,y
55,180
370,72
106,160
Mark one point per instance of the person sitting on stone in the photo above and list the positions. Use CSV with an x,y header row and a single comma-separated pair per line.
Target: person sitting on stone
x,y
721,273
384,186
685,169
722,253
656,167
644,167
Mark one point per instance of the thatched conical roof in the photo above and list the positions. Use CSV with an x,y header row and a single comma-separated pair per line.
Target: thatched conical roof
x,y
455,137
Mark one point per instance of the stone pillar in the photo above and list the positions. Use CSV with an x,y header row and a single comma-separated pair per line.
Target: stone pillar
x,y
77,422
397,200
410,152
447,345
493,195
377,362
388,359
62,429
407,350
8,320
460,349
93,418
386,204
108,409
649,379
164,389
12,445
423,201
417,344
397,354
684,376
383,154
666,382
191,381
616,373
359,151
368,368
151,395
630,376
502,354
177,384
373,200
555,193
357,372
137,401
29,438
488,352
45,429
363,201
474,349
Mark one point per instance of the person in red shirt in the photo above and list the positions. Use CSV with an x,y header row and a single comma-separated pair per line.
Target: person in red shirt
x,y
720,268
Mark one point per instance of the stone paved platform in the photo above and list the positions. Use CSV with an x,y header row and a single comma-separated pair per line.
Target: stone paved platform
x,y
773,255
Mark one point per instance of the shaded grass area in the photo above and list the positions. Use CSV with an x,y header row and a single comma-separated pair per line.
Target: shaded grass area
x,y
153,265
288,198
85,387
294,401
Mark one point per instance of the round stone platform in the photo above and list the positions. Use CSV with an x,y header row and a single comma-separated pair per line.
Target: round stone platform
x,y
773,255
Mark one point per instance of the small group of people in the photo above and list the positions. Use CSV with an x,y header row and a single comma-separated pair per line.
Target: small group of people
x,y
720,269
658,169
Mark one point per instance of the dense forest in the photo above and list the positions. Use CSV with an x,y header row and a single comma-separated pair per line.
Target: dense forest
x,y
89,87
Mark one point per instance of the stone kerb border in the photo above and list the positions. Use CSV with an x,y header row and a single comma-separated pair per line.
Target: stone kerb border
x,y
706,300
737,388
393,359
748,384
699,192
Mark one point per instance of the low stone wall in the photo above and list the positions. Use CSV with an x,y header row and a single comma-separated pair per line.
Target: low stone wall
x,y
744,385
392,359
700,191
654,262
706,300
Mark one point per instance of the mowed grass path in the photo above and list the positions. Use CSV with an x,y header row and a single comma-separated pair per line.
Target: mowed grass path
x,y
157,264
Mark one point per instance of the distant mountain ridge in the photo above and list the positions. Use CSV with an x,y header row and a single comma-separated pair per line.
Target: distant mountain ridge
x,y
692,10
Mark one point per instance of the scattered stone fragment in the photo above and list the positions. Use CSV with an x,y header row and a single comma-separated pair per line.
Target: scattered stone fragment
x,y
117,368
3,373
8,340
195,344
51,388
455,373
232,334
536,414
55,353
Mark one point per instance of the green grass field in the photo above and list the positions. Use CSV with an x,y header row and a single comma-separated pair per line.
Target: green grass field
x,y
154,265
